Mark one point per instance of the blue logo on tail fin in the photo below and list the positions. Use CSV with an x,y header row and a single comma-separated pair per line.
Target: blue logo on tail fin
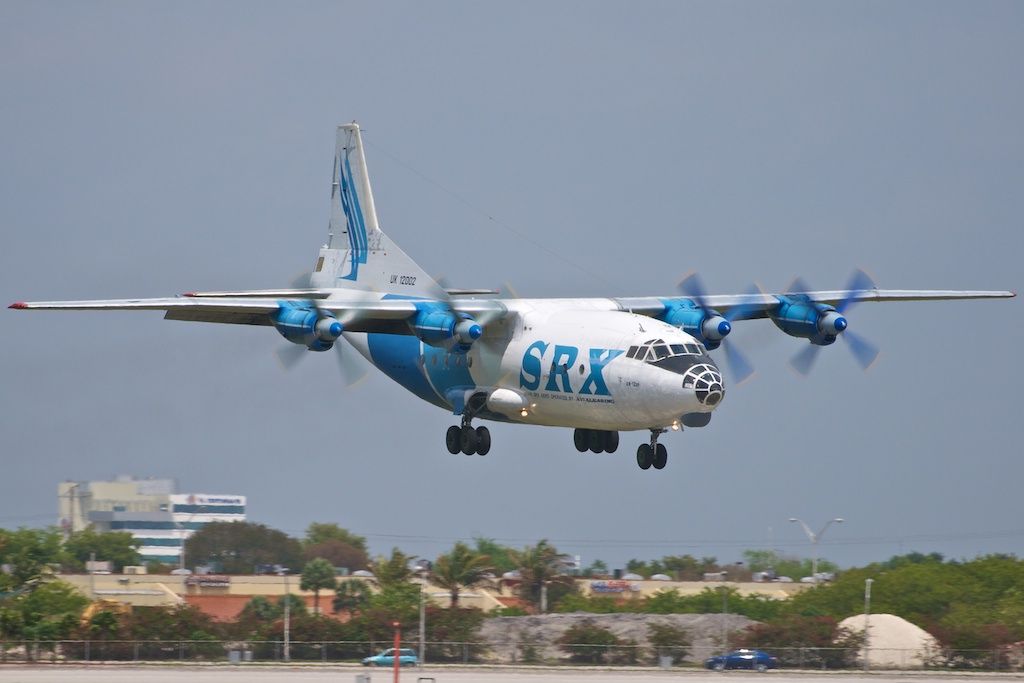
x,y
357,242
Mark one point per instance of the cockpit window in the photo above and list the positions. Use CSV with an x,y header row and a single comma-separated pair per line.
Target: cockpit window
x,y
655,350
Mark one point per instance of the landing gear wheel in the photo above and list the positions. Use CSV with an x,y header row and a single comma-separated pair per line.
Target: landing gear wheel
x,y
596,439
468,440
611,442
660,457
453,439
483,440
644,456
581,440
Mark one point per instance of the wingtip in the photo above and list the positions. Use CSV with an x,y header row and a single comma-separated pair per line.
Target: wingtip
x,y
18,305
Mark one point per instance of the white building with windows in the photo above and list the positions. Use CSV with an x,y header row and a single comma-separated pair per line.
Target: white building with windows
x,y
149,509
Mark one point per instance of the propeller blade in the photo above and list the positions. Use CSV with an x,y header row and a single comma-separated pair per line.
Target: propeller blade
x,y
864,351
741,311
803,361
798,286
859,282
289,356
693,288
353,370
739,366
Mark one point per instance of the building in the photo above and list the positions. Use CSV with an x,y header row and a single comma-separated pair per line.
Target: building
x,y
149,509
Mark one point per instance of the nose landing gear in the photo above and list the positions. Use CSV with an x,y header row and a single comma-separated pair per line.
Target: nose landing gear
x,y
652,454
467,440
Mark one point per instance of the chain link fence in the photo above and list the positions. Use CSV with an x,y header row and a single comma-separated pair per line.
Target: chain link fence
x,y
505,653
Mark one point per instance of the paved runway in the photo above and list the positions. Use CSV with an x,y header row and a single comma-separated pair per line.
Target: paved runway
x,y
299,674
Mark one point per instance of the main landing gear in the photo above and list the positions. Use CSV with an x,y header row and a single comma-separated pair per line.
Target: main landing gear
x,y
467,440
652,454
595,440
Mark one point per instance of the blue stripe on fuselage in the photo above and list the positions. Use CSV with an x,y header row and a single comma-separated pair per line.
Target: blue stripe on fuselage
x,y
397,356
447,376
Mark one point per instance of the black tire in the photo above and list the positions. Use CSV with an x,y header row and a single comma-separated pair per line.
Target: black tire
x,y
761,667
643,456
660,458
483,440
720,666
581,440
468,440
611,442
596,439
453,439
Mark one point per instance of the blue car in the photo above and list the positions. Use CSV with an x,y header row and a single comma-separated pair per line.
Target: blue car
x,y
756,660
406,657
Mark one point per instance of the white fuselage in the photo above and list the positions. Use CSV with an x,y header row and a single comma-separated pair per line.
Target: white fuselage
x,y
569,361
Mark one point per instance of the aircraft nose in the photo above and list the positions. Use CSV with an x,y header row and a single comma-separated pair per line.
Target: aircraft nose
x,y
706,382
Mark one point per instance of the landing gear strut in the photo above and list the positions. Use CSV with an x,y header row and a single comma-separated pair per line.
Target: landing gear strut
x,y
595,440
653,453
467,440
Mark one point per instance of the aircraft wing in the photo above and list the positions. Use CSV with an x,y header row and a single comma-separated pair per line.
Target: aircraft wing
x,y
242,308
758,305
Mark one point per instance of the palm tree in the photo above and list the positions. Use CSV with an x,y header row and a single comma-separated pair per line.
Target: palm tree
x,y
541,567
350,595
460,568
317,575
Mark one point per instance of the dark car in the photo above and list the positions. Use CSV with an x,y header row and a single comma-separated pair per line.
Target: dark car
x,y
756,660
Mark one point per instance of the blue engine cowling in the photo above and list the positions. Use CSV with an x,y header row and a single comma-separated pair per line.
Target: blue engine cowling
x,y
301,323
800,317
704,324
440,326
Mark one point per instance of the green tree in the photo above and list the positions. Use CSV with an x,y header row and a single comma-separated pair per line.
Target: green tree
x,y
393,570
322,532
49,611
117,547
318,575
30,554
805,641
668,640
260,608
539,566
351,596
338,553
502,556
239,547
454,634
460,568
587,642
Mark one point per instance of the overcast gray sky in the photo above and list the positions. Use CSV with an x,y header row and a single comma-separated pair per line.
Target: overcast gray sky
x,y
154,148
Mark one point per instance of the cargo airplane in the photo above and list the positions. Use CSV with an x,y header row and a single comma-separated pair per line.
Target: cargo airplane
x,y
599,366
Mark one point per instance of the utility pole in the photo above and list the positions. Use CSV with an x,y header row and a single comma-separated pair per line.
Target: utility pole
x,y
867,618
287,618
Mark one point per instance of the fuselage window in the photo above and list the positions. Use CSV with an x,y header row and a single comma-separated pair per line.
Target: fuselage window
x,y
632,353
661,351
678,349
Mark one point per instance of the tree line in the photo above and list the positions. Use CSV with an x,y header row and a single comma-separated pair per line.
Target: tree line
x,y
968,605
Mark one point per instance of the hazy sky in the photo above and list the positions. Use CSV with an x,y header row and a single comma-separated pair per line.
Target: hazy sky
x,y
583,149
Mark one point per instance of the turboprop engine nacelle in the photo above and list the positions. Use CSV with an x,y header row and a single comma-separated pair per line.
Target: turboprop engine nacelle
x,y
302,323
442,327
707,325
819,323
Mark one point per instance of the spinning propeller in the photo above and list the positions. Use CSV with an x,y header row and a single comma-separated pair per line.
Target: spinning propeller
x,y
863,351
716,327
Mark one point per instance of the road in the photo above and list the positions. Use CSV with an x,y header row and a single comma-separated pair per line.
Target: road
x,y
105,673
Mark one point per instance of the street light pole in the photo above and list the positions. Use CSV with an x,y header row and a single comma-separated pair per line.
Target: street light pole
x,y
423,618
287,619
814,538
867,617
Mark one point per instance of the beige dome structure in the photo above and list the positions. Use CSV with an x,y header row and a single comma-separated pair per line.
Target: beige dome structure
x,y
893,642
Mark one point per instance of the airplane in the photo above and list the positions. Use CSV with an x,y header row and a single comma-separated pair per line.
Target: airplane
x,y
600,366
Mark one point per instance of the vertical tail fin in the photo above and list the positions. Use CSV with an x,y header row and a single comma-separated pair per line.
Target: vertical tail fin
x,y
358,254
